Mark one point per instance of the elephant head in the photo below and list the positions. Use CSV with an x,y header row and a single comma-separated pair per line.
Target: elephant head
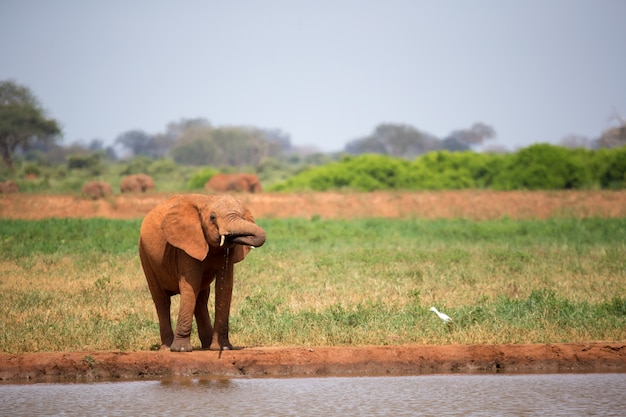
x,y
185,244
198,223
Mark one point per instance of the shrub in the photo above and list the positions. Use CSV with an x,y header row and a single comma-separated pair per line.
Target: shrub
x,y
137,165
366,172
162,167
613,170
197,180
91,161
31,170
545,167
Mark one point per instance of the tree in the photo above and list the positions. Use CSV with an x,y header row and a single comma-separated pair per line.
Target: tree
x,y
235,146
453,144
614,137
475,135
394,140
138,142
22,121
174,130
279,138
573,141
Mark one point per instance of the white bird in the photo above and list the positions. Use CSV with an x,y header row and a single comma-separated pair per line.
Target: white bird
x,y
442,316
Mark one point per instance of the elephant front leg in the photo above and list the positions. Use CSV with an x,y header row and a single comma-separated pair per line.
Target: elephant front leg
x,y
182,334
203,320
165,325
223,296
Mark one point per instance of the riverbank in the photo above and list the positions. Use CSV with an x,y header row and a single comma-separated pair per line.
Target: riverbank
x,y
316,361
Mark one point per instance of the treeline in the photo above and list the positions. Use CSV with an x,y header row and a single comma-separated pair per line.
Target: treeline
x,y
392,156
196,142
404,140
537,167
540,166
192,142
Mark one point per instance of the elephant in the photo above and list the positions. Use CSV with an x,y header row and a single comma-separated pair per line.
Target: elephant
x,y
248,183
97,189
137,183
186,243
8,187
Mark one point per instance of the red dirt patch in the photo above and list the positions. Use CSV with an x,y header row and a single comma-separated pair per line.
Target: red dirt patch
x,y
475,205
319,361
381,360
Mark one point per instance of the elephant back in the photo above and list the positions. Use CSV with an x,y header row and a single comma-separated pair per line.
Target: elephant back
x,y
242,183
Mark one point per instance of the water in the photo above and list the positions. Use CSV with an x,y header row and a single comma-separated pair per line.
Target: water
x,y
432,395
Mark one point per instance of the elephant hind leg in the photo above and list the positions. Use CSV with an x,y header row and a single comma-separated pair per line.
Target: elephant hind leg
x,y
161,298
203,319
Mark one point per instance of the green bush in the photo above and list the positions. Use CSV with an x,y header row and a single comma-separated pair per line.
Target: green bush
x,y
538,167
613,168
137,165
162,167
90,162
34,185
546,167
30,169
197,180
72,184
363,173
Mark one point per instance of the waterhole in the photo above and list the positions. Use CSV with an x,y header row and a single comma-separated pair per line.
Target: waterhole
x,y
435,395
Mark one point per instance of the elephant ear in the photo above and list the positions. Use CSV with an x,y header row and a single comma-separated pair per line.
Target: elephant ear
x,y
182,228
241,251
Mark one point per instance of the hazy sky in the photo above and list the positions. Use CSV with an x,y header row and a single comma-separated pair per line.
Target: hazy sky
x,y
323,71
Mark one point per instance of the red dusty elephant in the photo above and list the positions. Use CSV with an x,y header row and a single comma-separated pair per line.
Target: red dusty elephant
x,y
8,187
97,189
137,183
186,243
246,183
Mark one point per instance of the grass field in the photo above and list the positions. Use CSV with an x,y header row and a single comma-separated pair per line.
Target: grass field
x,y
77,284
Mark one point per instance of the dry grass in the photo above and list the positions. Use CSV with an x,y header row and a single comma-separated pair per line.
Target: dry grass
x,y
320,282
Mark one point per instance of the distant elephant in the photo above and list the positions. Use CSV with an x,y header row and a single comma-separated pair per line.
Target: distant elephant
x,y
248,183
137,183
8,187
186,243
97,189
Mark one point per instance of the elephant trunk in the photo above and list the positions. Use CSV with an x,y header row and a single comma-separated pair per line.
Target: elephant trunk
x,y
243,233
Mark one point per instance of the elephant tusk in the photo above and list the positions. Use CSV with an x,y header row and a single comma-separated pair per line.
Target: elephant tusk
x,y
222,238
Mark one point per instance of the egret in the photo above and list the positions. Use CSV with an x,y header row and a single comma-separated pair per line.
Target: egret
x,y
442,316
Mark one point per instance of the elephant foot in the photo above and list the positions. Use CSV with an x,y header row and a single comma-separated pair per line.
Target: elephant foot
x,y
227,346
181,345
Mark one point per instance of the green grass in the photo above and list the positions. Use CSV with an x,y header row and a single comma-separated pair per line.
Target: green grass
x,y
75,284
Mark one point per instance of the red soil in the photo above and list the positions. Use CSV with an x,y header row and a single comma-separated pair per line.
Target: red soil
x,y
317,361
475,205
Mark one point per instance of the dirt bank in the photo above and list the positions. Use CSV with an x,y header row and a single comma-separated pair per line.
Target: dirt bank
x,y
476,205
317,361
387,360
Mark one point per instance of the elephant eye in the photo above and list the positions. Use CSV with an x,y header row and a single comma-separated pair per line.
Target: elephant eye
x,y
212,217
